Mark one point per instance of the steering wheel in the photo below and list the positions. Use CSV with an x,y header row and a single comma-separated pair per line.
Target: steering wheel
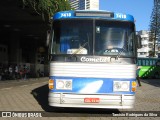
x,y
114,50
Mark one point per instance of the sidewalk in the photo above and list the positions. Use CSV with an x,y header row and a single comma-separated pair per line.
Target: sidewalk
x,y
13,83
22,80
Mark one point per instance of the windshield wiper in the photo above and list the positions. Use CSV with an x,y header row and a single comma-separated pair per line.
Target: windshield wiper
x,y
79,49
72,57
119,53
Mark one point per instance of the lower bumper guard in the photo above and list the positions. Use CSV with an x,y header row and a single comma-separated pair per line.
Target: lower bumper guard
x,y
104,100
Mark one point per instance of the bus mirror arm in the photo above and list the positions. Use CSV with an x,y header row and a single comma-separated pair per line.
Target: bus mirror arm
x,y
50,57
48,38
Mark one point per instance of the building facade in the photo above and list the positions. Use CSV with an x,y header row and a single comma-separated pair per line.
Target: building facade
x,y
144,51
147,46
84,4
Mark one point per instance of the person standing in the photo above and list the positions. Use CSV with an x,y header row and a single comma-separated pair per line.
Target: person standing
x,y
16,72
10,72
138,78
21,73
1,73
24,72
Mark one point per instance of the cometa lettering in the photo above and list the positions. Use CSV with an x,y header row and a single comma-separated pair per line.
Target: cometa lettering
x,y
85,59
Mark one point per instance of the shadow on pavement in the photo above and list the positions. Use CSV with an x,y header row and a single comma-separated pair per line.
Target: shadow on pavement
x,y
41,95
154,82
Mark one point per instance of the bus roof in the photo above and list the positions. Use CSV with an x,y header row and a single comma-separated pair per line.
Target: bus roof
x,y
92,14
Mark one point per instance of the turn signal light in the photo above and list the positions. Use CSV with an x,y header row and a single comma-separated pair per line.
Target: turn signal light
x,y
134,85
51,84
133,89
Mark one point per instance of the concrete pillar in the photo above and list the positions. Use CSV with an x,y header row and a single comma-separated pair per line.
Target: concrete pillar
x,y
15,53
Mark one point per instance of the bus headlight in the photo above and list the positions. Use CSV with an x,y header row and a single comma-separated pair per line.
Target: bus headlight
x,y
121,86
68,84
60,84
63,84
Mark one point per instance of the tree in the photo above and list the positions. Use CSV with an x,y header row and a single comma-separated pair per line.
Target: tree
x,y
155,25
46,8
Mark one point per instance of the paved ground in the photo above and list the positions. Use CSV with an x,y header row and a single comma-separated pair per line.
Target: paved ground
x,y
32,94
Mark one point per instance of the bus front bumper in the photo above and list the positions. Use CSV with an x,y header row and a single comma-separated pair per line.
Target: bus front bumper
x,y
79,100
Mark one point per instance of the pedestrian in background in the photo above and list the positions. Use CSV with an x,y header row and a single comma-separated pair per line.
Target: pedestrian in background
x,y
16,72
138,78
10,72
6,75
21,73
24,72
1,72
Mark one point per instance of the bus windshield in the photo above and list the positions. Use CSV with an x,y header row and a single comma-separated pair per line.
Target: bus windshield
x,y
101,37
73,37
114,38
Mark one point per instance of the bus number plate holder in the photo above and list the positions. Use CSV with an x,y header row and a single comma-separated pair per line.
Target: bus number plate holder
x,y
91,100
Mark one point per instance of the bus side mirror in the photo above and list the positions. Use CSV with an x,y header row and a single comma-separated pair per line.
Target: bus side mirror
x,y
138,41
48,38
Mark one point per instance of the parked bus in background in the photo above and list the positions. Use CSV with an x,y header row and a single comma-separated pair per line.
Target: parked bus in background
x,y
150,68
92,60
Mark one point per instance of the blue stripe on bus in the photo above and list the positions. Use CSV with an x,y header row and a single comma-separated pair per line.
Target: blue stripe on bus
x,y
92,85
71,14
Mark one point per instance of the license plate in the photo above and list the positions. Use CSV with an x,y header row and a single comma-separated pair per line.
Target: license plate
x,y
91,100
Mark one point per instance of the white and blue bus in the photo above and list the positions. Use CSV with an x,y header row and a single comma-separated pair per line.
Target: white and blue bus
x,y
92,60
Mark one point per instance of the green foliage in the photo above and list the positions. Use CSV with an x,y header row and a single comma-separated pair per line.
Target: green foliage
x,y
47,7
154,35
